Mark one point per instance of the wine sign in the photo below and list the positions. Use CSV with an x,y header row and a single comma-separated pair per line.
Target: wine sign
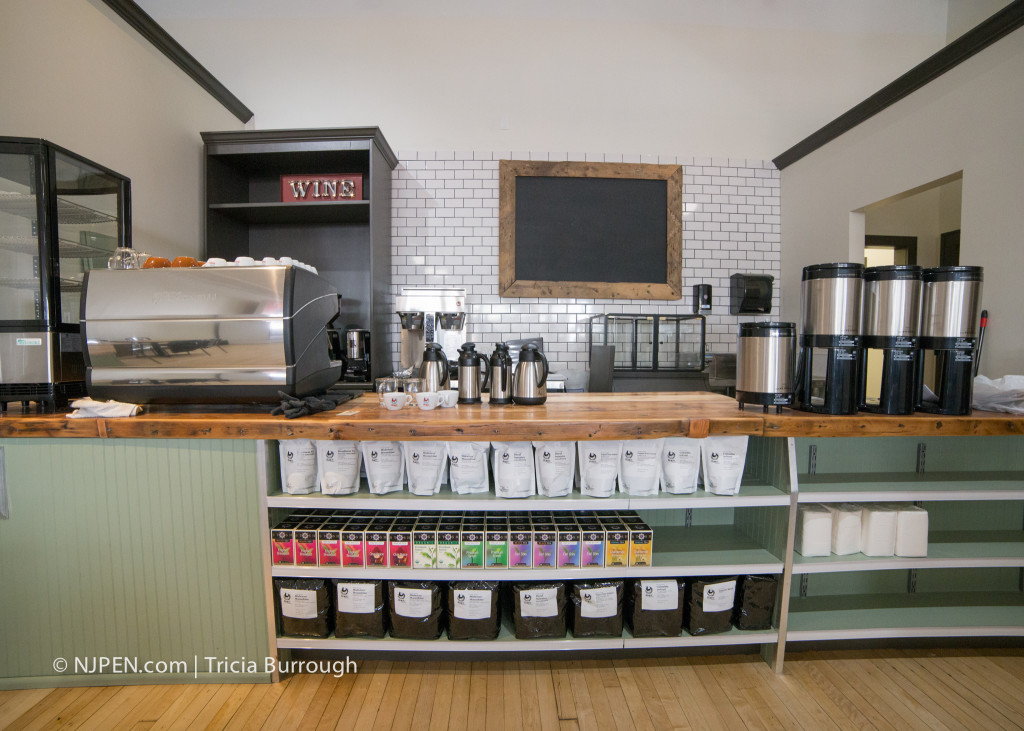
x,y
321,188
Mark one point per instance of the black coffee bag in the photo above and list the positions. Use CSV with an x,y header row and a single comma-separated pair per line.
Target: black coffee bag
x,y
755,602
597,608
473,612
654,607
708,605
538,610
304,607
415,608
360,608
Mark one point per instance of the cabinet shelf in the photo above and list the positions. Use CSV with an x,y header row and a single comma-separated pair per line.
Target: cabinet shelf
x,y
66,248
872,616
705,550
68,212
296,213
902,487
750,495
946,549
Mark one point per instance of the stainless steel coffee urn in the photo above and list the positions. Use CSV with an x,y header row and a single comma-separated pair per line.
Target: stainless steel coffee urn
x,y
473,374
949,329
529,383
828,370
890,329
357,354
765,359
501,376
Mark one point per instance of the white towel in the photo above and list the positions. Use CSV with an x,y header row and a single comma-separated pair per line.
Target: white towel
x,y
813,530
86,408
878,530
911,531
845,528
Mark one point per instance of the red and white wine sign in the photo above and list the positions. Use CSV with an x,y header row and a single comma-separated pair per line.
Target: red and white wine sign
x,y
320,188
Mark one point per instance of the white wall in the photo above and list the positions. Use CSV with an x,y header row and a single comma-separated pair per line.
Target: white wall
x,y
925,215
720,78
75,74
969,119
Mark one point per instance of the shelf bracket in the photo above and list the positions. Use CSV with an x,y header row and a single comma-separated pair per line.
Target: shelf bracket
x,y
689,517
912,581
812,459
921,449
803,584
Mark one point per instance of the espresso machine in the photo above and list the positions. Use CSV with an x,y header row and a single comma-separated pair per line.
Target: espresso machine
x,y
828,370
891,326
949,332
430,315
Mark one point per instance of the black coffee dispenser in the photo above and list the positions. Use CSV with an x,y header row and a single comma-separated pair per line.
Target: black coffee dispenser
x,y
828,370
890,330
949,330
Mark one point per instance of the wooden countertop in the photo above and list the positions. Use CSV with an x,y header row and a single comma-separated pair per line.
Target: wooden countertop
x,y
563,417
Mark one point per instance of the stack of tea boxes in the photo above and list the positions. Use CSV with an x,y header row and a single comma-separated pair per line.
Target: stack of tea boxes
x,y
462,539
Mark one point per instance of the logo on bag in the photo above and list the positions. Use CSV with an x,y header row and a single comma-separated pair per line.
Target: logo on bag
x,y
373,455
527,598
415,457
711,593
504,456
714,456
587,597
629,454
287,596
460,598
649,590
401,596
547,456
343,590
330,454
291,456
592,457
671,455
455,461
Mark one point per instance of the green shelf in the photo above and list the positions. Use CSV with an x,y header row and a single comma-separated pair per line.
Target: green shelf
x,y
887,486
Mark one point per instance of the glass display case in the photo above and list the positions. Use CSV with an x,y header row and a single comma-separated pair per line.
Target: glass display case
x,y
60,215
651,342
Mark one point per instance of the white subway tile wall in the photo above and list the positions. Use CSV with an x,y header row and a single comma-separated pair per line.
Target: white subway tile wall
x,y
444,220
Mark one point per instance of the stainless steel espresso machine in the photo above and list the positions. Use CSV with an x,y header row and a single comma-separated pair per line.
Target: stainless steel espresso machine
x,y
430,315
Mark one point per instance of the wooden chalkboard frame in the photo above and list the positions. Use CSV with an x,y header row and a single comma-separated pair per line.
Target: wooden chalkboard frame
x,y
511,286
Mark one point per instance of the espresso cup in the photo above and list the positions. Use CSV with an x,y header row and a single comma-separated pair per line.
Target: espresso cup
x,y
447,399
244,261
396,400
427,400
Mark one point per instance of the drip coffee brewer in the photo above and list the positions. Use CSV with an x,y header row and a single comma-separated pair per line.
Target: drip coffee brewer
x,y
828,370
429,315
891,326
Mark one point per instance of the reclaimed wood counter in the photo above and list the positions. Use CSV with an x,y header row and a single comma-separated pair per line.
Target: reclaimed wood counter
x,y
572,416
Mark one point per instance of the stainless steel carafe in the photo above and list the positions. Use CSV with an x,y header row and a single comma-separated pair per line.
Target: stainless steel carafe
x,y
529,384
473,374
434,369
501,375
892,323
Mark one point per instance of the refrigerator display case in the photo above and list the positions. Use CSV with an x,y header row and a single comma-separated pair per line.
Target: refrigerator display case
x,y
60,215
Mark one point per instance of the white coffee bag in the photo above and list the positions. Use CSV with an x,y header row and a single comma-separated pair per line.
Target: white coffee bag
x,y
680,465
468,467
723,459
298,466
556,467
599,467
385,467
338,464
640,466
513,469
425,463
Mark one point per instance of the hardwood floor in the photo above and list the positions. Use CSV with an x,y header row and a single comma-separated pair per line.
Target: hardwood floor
x,y
884,689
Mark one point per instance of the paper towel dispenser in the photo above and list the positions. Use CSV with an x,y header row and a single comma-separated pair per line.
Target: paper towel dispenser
x,y
750,294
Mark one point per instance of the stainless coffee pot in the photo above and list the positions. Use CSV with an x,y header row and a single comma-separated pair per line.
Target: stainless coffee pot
x,y
529,384
473,376
434,369
501,375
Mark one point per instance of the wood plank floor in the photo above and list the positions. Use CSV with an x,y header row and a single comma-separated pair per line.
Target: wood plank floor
x,y
884,689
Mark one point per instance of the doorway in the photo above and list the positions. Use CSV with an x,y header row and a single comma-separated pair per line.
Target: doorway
x,y
888,250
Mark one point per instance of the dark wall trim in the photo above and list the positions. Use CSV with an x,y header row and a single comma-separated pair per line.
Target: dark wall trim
x,y
149,29
978,38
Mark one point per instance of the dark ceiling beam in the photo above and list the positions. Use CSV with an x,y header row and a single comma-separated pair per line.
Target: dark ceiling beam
x,y
149,29
978,38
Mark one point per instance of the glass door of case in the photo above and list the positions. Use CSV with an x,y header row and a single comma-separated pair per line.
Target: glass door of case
x,y
21,295
88,222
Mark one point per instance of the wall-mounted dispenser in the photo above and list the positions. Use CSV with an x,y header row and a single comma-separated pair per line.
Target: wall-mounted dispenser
x,y
701,299
750,294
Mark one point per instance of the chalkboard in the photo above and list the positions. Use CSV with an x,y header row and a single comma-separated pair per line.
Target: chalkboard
x,y
605,230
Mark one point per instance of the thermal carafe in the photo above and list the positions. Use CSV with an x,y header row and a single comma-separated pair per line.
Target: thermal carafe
x,y
473,374
828,370
529,382
501,375
765,361
890,329
949,330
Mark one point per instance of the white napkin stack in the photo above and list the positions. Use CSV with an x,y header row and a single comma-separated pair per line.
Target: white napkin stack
x,y
878,530
911,531
846,520
813,530
86,408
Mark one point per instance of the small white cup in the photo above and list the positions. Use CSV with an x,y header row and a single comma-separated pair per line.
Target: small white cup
x,y
449,398
244,261
215,262
396,400
269,261
427,400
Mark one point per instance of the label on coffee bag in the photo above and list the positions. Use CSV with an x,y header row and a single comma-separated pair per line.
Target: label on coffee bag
x,y
298,603
600,602
414,603
538,602
473,604
719,597
356,598
659,596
